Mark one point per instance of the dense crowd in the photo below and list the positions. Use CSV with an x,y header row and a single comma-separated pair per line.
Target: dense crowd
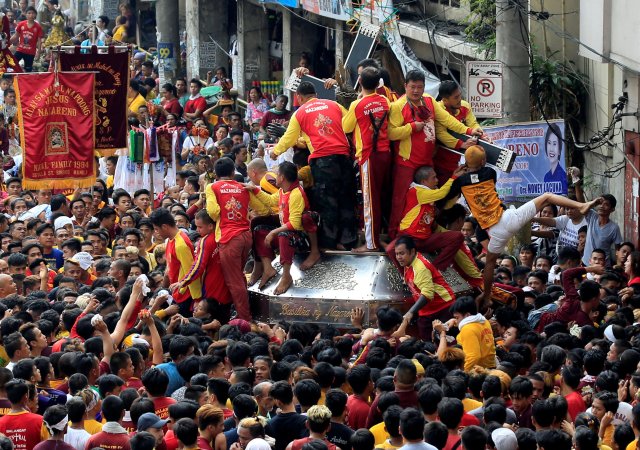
x,y
126,322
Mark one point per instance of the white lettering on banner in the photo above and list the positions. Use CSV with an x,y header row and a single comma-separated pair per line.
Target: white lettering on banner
x,y
484,86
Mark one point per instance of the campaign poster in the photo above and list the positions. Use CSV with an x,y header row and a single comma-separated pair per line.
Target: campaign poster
x,y
56,115
540,163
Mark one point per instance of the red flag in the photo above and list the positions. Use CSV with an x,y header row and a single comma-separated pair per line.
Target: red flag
x,y
56,129
112,82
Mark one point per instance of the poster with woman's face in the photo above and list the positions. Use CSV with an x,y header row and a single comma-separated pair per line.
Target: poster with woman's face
x,y
540,164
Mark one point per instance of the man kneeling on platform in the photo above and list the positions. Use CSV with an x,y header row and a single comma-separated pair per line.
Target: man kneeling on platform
x,y
296,224
432,295
419,216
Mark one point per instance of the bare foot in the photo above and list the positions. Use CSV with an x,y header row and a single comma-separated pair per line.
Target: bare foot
x,y
584,209
267,275
363,249
311,261
284,285
255,274
341,247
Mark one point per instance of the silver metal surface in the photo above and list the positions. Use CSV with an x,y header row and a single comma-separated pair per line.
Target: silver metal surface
x,y
341,281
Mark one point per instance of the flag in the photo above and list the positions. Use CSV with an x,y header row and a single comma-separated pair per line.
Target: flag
x,y
56,119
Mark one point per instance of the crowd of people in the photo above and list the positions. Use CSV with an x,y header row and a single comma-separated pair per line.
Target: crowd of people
x,y
126,322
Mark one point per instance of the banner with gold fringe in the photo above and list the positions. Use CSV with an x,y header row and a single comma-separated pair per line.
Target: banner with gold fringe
x,y
56,114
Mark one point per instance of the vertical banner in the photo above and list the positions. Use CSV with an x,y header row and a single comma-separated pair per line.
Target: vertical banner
x,y
56,118
112,82
540,164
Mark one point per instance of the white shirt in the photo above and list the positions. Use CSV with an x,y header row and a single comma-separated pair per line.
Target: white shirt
x,y
76,438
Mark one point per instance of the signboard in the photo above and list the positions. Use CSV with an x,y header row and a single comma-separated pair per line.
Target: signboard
x,y
484,87
208,55
540,163
167,56
334,9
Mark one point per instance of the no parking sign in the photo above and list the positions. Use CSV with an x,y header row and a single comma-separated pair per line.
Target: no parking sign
x,y
484,85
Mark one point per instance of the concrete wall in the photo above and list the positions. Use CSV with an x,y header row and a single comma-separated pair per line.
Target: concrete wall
x,y
445,11
564,18
608,26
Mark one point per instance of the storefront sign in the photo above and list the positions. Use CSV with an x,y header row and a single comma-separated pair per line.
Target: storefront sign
x,y
484,87
112,81
56,114
540,163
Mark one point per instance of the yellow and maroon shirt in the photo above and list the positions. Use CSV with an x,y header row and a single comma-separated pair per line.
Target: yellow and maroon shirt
x,y
416,148
420,210
364,116
228,204
291,204
424,279
179,254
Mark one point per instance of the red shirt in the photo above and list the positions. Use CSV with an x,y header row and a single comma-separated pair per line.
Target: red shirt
x,y
24,429
161,405
28,37
452,440
299,443
363,113
109,441
134,383
319,121
206,267
194,105
203,444
232,201
576,404
358,410
173,106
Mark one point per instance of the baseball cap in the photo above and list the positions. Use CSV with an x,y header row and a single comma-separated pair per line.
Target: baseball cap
x,y
504,439
83,258
61,222
150,420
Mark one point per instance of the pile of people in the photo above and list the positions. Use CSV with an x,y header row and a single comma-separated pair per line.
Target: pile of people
x,y
126,322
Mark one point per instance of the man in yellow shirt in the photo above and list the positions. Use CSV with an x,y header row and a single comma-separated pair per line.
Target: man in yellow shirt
x,y
476,336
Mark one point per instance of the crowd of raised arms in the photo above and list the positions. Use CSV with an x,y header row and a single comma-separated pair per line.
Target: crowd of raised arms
x,y
125,315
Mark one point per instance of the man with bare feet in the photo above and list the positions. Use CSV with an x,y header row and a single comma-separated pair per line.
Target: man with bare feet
x,y
295,221
319,122
368,120
419,216
478,186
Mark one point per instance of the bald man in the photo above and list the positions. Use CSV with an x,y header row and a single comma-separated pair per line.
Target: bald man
x,y
260,176
7,286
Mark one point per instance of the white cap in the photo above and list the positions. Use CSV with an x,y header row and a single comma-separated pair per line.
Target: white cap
x,y
83,258
504,439
61,222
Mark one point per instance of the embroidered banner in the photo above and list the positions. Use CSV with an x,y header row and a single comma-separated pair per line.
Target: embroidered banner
x,y
112,81
56,118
